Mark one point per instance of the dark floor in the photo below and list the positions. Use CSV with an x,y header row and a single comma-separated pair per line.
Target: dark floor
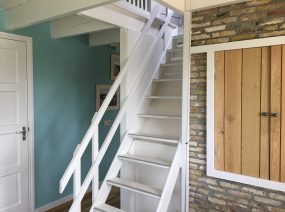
x,y
113,199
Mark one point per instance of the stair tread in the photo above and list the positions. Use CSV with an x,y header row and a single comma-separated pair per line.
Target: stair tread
x,y
163,97
171,64
136,187
168,139
159,116
147,160
107,208
168,80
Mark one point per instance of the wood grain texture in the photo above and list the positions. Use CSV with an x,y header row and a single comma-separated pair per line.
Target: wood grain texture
x,y
233,66
283,118
220,110
265,107
251,71
275,108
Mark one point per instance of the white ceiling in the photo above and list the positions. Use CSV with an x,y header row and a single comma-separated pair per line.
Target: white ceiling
x,y
6,4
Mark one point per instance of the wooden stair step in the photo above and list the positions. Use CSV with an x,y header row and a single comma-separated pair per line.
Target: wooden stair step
x,y
165,97
171,64
160,139
145,160
107,208
154,116
168,80
136,187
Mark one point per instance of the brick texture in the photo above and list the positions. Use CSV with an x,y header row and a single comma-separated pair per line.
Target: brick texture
x,y
244,21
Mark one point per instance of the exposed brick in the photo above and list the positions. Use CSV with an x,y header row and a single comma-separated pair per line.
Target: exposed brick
x,y
252,20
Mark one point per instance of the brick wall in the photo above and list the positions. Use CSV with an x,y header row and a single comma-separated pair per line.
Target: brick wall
x,y
254,19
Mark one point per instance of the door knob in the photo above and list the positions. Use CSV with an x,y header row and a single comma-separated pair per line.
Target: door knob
x,y
23,132
265,114
275,115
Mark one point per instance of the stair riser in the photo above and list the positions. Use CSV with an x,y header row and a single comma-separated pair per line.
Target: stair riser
x,y
167,88
174,55
177,42
170,69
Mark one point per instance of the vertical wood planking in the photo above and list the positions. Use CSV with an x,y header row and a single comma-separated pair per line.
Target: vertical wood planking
x,y
275,108
219,110
283,118
265,121
233,66
251,70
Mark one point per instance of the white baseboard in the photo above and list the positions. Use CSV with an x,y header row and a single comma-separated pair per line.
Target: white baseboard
x,y
57,203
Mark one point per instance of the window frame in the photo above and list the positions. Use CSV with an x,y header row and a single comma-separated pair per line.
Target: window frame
x,y
210,51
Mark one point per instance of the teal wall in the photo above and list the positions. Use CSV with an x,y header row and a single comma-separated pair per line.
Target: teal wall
x,y
65,74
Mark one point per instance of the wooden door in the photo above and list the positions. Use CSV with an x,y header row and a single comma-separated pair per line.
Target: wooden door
x,y
14,166
249,108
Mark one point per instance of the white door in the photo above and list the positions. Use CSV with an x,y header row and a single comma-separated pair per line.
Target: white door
x,y
14,155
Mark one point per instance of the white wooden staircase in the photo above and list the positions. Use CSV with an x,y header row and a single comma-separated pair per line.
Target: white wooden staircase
x,y
148,162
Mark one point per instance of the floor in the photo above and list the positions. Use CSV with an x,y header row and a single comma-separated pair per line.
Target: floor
x,y
113,200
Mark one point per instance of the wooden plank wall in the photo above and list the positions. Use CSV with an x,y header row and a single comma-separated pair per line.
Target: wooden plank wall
x,y
247,83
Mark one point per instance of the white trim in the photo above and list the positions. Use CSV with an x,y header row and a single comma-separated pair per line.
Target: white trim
x,y
29,42
210,50
55,204
272,41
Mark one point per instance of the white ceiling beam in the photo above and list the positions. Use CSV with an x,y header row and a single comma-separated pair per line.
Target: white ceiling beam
x,y
37,11
106,37
116,16
76,25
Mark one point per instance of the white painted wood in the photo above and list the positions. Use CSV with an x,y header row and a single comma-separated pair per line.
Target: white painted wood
x,y
185,136
107,208
211,171
271,41
145,160
154,138
38,11
105,189
110,36
129,6
119,17
95,150
136,187
76,25
170,183
165,97
77,179
158,116
16,162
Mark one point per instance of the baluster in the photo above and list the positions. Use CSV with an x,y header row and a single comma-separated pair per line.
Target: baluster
x,y
95,150
77,179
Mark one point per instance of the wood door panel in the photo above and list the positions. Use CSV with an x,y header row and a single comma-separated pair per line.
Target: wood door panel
x,y
220,110
233,66
265,107
283,118
251,71
275,108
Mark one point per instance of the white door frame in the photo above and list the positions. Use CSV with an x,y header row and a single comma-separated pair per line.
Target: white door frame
x,y
29,42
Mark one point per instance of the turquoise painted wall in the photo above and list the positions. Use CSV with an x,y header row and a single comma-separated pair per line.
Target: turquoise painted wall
x,y
65,74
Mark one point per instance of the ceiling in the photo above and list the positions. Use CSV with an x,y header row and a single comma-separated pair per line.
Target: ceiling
x,y
7,4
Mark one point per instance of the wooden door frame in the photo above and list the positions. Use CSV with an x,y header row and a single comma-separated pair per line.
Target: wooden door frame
x,y
30,101
210,51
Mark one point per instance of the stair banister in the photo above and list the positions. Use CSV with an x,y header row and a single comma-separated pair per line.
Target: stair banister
x,y
86,140
117,121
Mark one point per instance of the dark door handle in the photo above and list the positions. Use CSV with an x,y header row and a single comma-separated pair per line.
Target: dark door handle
x,y
24,133
265,114
275,115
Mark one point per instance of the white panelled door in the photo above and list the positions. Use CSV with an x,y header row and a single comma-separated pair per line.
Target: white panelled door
x,y
14,144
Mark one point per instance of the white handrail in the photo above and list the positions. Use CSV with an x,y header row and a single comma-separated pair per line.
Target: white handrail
x,y
86,140
115,125
92,132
